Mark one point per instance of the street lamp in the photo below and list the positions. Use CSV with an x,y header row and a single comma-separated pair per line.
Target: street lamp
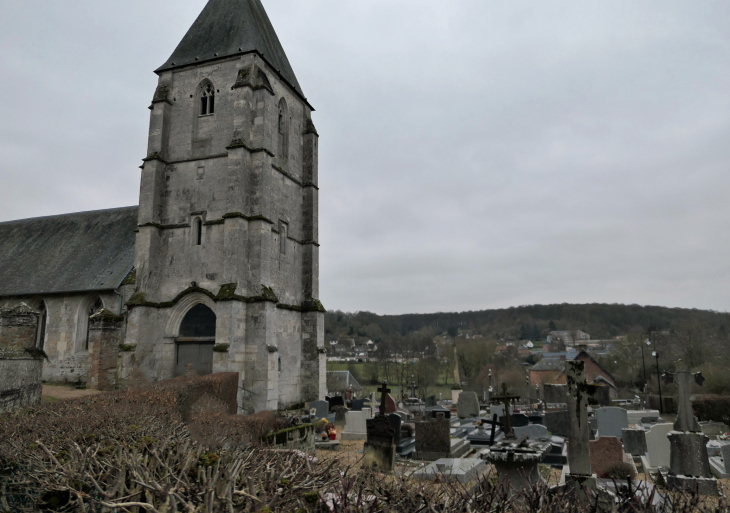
x,y
643,363
655,354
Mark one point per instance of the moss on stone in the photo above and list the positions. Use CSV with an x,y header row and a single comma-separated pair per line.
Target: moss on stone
x,y
127,348
221,348
131,278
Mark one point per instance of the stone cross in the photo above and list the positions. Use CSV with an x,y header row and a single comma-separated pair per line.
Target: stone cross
x,y
413,388
579,392
506,399
384,390
686,421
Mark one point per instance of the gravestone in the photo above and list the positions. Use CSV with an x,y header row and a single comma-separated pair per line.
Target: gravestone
x,y
355,426
340,417
379,449
404,439
535,419
602,395
433,437
468,406
725,452
390,405
533,431
657,445
520,420
497,409
634,441
322,408
357,404
635,416
431,401
435,413
605,451
335,401
433,440
689,466
554,394
689,455
611,421
556,422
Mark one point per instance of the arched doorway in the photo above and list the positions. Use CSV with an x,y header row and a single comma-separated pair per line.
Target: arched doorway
x,y
195,341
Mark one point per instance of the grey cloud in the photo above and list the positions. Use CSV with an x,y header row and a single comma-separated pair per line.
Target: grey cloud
x,y
473,154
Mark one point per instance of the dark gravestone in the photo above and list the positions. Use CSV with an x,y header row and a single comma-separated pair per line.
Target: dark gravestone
x,y
520,420
379,448
555,394
557,422
602,395
649,420
634,441
433,436
357,404
535,419
405,441
431,401
340,415
336,401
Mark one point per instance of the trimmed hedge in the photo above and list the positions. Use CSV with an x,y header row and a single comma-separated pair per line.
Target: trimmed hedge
x,y
714,408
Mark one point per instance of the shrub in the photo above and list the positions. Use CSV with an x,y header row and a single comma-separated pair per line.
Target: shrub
x,y
619,470
712,407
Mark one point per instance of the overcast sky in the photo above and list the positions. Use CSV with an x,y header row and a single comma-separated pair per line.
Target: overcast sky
x,y
473,154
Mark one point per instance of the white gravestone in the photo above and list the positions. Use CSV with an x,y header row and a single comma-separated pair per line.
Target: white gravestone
x,y
611,421
658,446
355,427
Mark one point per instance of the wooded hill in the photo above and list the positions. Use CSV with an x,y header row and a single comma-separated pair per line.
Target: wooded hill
x,y
533,322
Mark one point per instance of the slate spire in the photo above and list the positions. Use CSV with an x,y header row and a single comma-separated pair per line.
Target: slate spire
x,y
230,27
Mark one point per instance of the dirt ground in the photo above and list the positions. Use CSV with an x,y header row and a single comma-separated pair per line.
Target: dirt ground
x,y
56,392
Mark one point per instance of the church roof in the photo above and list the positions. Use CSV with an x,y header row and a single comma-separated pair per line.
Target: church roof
x,y
230,27
84,251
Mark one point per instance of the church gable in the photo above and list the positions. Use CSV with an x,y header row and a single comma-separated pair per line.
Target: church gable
x,y
85,251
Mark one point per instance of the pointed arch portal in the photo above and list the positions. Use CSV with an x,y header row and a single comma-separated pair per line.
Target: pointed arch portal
x,y
195,341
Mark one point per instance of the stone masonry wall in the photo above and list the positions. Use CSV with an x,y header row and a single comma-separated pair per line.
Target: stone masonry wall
x,y
20,380
105,338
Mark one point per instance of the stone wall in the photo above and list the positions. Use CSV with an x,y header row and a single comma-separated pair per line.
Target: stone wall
x,y
65,333
21,364
105,339
20,379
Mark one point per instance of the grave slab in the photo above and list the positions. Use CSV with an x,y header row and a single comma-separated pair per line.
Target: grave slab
x,y
463,470
533,431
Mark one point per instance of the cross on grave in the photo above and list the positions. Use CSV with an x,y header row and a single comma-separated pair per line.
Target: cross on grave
x,y
686,421
413,388
384,390
506,399
494,424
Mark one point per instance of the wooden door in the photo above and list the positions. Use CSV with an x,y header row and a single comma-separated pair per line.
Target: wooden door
x,y
199,355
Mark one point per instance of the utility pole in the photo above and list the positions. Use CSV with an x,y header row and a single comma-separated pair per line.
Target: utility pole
x,y
659,381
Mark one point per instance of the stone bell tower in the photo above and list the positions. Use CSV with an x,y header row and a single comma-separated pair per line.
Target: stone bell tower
x,y
227,253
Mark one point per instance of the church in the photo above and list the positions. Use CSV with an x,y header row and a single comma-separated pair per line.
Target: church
x,y
217,268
